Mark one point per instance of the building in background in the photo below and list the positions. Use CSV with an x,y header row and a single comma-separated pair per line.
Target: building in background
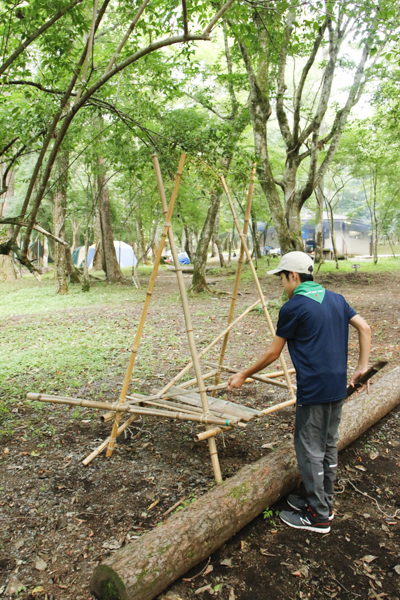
x,y
352,236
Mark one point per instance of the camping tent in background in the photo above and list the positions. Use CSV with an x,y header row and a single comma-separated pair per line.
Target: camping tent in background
x,y
125,255
78,255
36,248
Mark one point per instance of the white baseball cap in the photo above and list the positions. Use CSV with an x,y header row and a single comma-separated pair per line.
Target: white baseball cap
x,y
299,262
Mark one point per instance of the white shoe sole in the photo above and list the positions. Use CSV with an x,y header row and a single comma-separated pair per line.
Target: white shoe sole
x,y
306,527
331,517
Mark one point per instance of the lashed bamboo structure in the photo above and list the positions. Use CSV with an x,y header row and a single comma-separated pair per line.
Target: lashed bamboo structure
x,y
176,400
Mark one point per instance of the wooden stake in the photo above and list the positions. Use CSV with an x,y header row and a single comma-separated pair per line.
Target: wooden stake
x,y
188,321
257,282
135,346
238,273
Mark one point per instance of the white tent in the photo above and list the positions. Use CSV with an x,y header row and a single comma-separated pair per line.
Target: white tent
x,y
125,255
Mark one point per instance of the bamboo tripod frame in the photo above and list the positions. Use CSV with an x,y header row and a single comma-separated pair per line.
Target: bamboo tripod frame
x,y
174,401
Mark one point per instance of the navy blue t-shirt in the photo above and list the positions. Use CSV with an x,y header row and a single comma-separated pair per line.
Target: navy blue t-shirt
x,y
317,336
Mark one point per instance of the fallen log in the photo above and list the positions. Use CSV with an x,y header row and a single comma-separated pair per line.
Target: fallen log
x,y
144,568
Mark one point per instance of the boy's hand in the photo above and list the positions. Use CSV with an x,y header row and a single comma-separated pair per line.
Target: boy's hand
x,y
358,371
236,381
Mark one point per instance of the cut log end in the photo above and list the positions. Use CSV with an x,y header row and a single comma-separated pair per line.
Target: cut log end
x,y
107,585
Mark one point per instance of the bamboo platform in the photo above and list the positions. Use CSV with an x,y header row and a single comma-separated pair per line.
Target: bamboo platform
x,y
175,400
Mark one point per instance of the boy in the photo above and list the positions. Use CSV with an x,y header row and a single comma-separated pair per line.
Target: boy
x,y
314,322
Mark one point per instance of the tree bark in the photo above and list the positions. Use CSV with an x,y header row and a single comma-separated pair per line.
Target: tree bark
x,y
199,283
218,243
98,256
7,263
111,266
72,272
319,216
59,216
144,568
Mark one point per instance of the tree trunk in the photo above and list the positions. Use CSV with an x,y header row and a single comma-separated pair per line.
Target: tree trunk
x,y
45,252
144,568
332,228
256,241
98,255
319,241
199,283
188,248
112,270
72,272
218,243
375,226
59,216
7,263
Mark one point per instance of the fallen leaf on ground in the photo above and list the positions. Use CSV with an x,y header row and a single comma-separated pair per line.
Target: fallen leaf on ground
x,y
154,504
226,562
112,545
374,455
265,553
40,564
361,468
38,590
368,558
205,588
232,594
397,569
302,572
14,586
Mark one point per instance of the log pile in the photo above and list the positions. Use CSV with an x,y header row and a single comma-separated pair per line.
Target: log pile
x,y
144,568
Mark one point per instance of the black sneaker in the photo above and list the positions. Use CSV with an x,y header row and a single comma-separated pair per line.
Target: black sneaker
x,y
305,519
298,503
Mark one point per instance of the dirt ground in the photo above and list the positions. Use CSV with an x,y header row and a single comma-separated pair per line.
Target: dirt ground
x,y
59,519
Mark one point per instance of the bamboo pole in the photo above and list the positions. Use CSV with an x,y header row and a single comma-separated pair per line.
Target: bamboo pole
x,y
108,416
127,408
207,348
257,282
186,384
103,445
135,345
238,274
272,409
205,435
262,378
188,321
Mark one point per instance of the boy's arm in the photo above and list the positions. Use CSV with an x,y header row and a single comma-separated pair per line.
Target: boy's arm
x,y
364,339
273,352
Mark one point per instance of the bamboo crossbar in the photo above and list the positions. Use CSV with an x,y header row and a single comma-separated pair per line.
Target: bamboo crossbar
x,y
262,378
127,408
208,348
272,409
186,384
257,282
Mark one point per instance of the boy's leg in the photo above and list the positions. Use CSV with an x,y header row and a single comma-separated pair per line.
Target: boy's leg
x,y
331,453
311,432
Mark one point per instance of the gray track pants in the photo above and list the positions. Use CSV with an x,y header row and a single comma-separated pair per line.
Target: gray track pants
x,y
315,442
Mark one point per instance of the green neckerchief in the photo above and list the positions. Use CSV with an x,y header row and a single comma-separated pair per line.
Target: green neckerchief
x,y
312,290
